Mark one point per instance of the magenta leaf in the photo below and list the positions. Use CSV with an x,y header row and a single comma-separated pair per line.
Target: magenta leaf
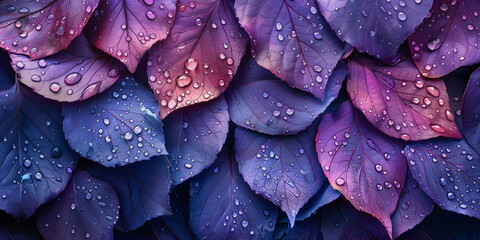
x,y
342,221
260,102
365,165
75,74
44,27
128,29
292,40
471,111
142,190
376,27
35,159
198,59
282,169
447,171
222,206
447,38
194,136
87,209
118,127
400,102
413,206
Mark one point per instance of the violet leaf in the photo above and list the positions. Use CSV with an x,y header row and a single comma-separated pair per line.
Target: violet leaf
x,y
471,110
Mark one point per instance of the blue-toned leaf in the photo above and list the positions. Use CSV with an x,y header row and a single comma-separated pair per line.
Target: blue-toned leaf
x,y
447,171
292,40
364,164
471,111
412,207
11,230
377,27
87,209
35,159
282,169
142,190
261,102
456,83
325,195
194,136
118,127
222,206
309,229
340,220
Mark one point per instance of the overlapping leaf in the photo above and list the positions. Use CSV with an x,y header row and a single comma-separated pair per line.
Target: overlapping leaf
x,y
194,136
44,27
128,29
325,195
376,27
77,73
261,102
35,159
365,165
413,206
292,40
200,56
448,225
447,38
87,209
309,229
471,111
447,171
456,83
282,169
118,127
222,206
142,190
399,101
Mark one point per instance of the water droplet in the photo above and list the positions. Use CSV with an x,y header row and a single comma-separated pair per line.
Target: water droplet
x,y
402,16
433,91
183,80
128,136
434,44
450,196
137,129
191,64
198,22
56,152
150,15
340,181
73,78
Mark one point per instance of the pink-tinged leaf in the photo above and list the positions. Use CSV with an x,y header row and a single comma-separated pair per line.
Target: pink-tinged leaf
x,y
261,102
447,38
128,29
74,74
447,171
198,59
87,209
194,136
398,101
292,40
342,221
365,165
376,27
44,27
282,169
222,206
116,128
35,159
471,111
413,206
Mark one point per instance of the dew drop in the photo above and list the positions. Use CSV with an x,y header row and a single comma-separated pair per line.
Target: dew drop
x,y
73,78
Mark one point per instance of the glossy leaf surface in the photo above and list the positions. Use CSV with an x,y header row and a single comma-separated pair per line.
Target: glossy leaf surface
x,y
200,56
471,111
365,165
118,127
292,40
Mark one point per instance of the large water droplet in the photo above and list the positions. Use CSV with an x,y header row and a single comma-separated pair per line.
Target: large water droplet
x,y
73,78
183,80
191,64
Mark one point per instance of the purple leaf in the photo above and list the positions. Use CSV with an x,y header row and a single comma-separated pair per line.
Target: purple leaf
x,y
142,190
325,195
87,209
413,206
471,111
222,206
35,159
128,29
282,169
447,38
75,74
200,56
118,127
42,28
341,221
447,172
292,40
366,166
310,229
194,136
456,83
376,27
399,101
265,104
